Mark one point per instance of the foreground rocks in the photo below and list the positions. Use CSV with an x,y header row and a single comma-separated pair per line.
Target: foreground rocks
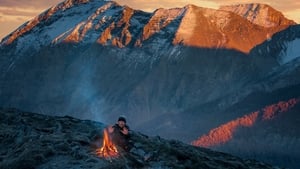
x,y
34,141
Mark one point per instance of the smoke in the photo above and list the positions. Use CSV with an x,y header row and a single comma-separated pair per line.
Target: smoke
x,y
86,100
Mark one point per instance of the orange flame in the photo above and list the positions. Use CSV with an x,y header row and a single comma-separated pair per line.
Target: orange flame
x,y
108,149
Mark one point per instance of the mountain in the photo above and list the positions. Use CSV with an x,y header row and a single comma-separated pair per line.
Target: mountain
x,y
179,73
108,23
270,124
260,14
31,140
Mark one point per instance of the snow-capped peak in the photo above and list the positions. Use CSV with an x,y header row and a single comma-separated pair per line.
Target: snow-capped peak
x,y
94,21
260,14
108,23
41,18
69,3
68,20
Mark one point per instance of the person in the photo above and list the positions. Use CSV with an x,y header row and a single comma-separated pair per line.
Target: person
x,y
119,133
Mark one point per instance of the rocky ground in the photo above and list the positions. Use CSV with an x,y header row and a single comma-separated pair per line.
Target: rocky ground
x,y
34,141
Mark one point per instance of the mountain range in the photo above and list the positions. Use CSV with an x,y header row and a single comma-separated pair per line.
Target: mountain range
x,y
107,23
181,73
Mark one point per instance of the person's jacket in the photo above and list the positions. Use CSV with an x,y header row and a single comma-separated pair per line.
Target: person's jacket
x,y
118,137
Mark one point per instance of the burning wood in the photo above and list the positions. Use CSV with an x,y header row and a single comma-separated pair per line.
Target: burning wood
x,y
108,149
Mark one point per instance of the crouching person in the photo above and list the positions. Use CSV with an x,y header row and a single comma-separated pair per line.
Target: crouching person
x,y
119,134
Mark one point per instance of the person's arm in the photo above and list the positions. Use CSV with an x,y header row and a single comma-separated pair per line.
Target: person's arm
x,y
125,131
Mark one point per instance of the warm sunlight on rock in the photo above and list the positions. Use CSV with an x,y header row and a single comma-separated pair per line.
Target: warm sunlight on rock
x,y
271,111
225,132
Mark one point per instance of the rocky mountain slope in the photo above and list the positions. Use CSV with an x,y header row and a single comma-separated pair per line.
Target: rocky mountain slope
x,y
31,140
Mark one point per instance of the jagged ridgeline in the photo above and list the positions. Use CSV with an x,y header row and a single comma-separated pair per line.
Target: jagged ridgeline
x,y
180,73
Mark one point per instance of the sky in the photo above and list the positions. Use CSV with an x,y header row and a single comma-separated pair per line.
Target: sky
x,y
14,13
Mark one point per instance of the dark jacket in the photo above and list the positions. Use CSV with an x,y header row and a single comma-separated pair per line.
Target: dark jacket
x,y
119,138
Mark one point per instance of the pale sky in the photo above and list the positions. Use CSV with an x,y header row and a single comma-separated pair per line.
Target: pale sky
x,y
14,13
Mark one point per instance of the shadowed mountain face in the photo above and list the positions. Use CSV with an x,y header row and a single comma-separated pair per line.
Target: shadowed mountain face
x,y
30,140
179,73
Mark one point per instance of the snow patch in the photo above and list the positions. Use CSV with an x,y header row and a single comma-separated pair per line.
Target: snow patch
x,y
63,22
256,13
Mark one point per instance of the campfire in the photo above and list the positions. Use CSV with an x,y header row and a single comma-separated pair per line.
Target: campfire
x,y
108,149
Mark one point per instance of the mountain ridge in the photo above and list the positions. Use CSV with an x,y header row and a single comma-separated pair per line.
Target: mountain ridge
x,y
108,23
260,14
